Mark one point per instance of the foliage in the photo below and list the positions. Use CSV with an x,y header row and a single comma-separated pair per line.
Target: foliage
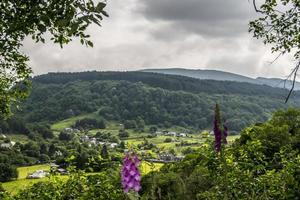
x,y
102,186
279,26
262,164
104,152
7,172
145,98
167,140
123,134
88,123
62,19
14,125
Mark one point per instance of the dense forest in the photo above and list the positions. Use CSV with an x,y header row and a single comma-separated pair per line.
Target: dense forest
x,y
163,100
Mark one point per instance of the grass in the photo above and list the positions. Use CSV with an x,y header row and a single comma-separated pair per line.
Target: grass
x,y
17,138
24,171
231,138
14,186
147,167
67,123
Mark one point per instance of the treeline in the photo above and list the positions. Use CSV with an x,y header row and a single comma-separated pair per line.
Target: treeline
x,y
169,82
124,100
89,123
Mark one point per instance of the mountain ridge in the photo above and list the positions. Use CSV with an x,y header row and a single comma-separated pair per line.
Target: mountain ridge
x,y
219,75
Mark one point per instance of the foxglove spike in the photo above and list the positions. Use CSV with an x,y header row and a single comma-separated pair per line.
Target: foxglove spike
x,y
130,174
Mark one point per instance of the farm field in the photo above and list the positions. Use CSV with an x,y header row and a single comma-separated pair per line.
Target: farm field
x,y
15,186
136,138
147,167
21,183
24,171
59,126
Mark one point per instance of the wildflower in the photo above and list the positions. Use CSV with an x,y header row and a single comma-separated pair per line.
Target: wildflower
x,y
130,174
220,131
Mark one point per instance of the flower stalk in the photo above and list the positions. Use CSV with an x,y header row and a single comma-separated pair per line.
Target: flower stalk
x,y
130,174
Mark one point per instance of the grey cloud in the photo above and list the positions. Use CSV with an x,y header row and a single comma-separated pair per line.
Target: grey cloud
x,y
205,34
245,65
213,18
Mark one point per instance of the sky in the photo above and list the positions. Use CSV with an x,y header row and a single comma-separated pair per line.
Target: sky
x,y
147,34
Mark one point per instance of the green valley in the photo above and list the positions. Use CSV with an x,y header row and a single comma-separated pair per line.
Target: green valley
x,y
83,123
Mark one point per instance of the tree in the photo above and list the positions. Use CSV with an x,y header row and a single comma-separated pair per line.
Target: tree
x,y
62,19
123,134
130,124
7,172
65,136
153,129
140,124
279,26
104,152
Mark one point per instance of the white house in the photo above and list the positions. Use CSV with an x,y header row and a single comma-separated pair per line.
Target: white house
x,y
172,134
113,145
93,141
38,174
8,145
182,135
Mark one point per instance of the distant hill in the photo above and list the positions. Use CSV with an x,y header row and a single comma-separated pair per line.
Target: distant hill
x,y
152,98
276,82
225,76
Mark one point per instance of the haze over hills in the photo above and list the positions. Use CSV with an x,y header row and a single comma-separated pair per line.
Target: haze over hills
x,y
225,76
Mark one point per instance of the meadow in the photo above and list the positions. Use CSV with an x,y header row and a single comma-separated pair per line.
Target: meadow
x,y
13,187
21,183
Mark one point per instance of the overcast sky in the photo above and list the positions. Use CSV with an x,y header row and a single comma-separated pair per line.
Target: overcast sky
x,y
143,34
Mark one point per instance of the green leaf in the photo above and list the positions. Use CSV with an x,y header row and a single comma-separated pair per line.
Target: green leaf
x,y
90,43
100,7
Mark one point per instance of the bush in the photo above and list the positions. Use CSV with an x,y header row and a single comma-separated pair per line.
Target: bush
x,y
123,134
130,124
7,172
89,123
102,186
168,140
65,136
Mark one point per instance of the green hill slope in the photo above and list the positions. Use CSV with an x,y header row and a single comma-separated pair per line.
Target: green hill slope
x,y
158,99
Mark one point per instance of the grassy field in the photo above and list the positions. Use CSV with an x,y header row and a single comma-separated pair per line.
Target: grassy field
x,y
18,138
136,138
67,123
14,186
147,167
24,171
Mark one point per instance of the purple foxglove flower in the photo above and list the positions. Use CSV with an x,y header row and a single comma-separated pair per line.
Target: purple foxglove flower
x,y
130,174
220,131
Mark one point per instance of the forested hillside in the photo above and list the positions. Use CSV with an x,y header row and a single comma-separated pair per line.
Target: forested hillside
x,y
163,100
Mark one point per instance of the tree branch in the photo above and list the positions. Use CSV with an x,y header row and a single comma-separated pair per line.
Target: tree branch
x,y
293,73
255,7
